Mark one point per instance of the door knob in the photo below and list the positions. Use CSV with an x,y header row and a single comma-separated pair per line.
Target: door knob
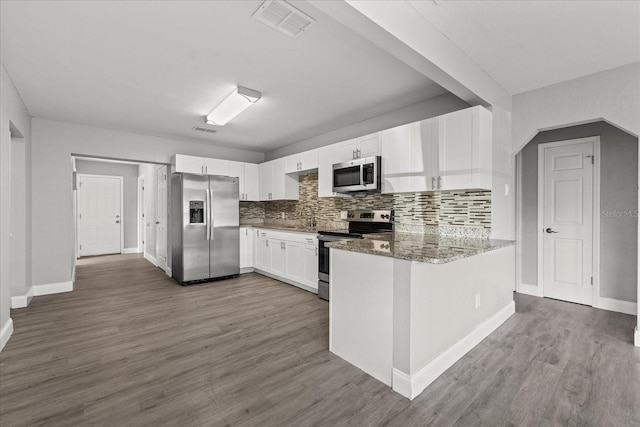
x,y
549,230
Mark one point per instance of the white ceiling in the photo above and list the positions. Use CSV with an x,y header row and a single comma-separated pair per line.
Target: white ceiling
x,y
159,67
529,44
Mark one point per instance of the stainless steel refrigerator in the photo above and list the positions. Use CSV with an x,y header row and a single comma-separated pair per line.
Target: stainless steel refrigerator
x,y
205,222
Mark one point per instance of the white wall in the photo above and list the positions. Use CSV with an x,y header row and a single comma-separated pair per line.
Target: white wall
x,y
52,145
423,110
612,95
503,207
18,220
12,112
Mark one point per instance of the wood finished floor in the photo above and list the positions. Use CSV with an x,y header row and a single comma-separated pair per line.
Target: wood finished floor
x,y
129,347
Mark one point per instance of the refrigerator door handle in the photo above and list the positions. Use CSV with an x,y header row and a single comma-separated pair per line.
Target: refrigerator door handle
x,y
208,213
212,225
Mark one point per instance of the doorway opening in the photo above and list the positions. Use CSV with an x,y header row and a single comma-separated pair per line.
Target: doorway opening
x,y
143,212
577,221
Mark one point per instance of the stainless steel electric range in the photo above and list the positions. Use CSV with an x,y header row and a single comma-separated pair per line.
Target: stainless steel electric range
x,y
360,223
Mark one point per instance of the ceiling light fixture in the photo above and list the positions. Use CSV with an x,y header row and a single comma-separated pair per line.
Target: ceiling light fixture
x,y
239,100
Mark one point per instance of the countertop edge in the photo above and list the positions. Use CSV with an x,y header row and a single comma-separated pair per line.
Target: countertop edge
x,y
496,244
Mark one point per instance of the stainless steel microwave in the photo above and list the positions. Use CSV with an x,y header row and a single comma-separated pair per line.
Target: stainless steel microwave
x,y
357,175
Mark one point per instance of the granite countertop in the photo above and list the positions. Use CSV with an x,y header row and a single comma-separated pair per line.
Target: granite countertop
x,y
282,228
428,248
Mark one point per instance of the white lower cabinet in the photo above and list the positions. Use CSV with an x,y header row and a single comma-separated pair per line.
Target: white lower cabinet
x,y
246,248
287,256
310,265
276,249
293,258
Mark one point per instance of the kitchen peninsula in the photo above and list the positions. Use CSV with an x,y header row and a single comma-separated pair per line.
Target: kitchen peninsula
x,y
406,306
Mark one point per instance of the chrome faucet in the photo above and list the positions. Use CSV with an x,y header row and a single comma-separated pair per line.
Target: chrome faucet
x,y
312,216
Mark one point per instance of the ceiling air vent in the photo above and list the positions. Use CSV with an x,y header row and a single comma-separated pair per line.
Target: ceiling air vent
x,y
284,18
201,129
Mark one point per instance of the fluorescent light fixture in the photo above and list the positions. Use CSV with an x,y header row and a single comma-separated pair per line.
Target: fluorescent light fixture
x,y
239,100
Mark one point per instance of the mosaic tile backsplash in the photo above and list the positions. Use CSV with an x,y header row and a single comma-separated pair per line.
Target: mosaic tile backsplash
x,y
420,212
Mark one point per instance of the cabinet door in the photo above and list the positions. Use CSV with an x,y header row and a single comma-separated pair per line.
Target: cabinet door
x,y
251,182
246,247
292,163
243,247
266,186
265,253
257,250
327,156
369,145
294,268
302,162
216,167
236,169
277,254
310,265
309,160
396,157
464,149
189,164
285,187
424,156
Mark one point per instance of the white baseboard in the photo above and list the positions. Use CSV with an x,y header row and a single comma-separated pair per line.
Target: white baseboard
x,y
151,259
527,289
410,386
637,338
130,251
246,270
169,272
620,306
5,333
22,301
52,288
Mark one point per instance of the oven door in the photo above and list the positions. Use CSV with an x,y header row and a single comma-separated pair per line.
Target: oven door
x,y
323,255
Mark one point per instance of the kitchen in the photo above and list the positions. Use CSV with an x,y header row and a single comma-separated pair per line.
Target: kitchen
x,y
53,141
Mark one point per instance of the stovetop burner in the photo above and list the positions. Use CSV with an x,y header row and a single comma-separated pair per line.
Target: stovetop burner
x,y
364,222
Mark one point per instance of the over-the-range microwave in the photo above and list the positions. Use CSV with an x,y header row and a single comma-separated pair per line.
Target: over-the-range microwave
x,y
357,175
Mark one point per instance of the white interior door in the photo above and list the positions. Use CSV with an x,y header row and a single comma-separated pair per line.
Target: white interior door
x,y
567,225
99,215
161,218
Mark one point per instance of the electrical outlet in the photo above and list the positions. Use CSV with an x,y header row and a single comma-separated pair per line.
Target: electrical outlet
x,y
282,215
477,300
343,214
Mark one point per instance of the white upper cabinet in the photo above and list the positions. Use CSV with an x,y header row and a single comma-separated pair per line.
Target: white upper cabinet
x,y
465,149
398,167
248,176
216,167
200,165
188,164
275,184
368,146
251,182
302,162
265,171
327,156
449,152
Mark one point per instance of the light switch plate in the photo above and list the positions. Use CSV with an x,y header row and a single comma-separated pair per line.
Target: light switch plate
x,y
343,214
